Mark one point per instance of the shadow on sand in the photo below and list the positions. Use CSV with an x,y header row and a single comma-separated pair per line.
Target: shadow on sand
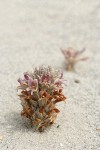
x,y
14,122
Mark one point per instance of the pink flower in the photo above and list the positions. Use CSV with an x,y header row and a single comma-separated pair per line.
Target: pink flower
x,y
45,78
26,76
59,81
21,81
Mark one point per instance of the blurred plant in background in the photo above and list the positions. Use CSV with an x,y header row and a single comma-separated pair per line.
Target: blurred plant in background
x,y
72,57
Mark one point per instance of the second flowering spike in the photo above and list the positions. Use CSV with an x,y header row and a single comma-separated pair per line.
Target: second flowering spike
x,y
72,57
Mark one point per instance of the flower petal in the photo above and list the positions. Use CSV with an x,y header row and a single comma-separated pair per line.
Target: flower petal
x,y
26,76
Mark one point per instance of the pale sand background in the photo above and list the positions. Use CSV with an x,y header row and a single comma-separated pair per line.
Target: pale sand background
x,y
31,33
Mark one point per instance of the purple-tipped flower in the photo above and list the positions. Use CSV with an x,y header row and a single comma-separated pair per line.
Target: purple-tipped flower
x,y
26,76
60,81
40,91
72,57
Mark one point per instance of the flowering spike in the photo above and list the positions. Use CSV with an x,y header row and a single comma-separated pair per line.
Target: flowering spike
x,y
72,57
40,91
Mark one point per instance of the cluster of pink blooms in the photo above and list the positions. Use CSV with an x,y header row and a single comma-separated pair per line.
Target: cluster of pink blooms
x,y
40,90
41,75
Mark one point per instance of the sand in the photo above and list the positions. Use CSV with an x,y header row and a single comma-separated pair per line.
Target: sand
x,y
32,33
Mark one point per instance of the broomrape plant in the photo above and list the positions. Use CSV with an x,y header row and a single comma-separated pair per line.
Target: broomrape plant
x,y
72,57
39,91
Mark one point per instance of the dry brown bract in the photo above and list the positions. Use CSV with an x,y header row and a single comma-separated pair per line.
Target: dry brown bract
x,y
39,93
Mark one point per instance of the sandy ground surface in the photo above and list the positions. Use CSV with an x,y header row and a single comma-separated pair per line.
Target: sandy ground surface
x,y
32,33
